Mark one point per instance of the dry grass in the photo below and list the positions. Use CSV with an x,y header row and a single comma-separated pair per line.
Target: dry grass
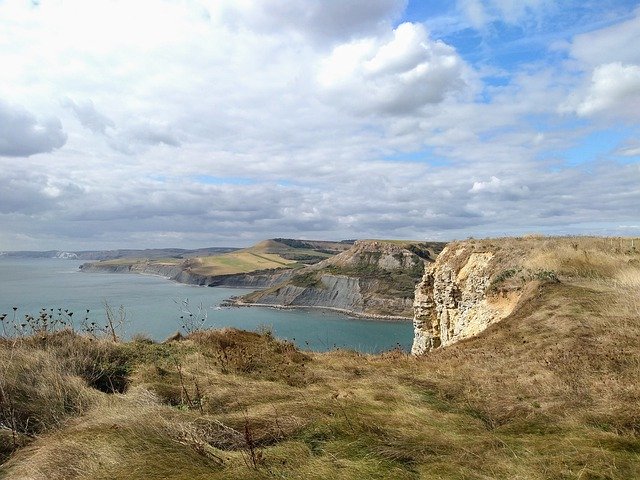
x,y
238,262
551,392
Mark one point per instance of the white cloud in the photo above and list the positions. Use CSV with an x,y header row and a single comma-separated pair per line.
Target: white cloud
x,y
475,12
496,186
398,75
616,43
223,122
614,87
606,73
480,13
630,150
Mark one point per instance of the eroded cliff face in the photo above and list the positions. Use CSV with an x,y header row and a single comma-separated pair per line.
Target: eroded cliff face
x,y
180,274
372,278
453,302
332,291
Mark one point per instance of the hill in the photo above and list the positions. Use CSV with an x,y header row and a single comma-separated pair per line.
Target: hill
x,y
269,258
372,278
119,254
548,391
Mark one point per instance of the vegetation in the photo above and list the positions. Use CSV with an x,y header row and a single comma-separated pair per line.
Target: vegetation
x,y
387,272
266,255
551,392
307,279
393,283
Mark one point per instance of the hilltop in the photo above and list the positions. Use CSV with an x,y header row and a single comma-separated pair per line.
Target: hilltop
x,y
259,265
374,278
370,278
549,389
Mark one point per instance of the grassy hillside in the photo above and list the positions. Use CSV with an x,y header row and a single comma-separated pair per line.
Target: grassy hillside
x,y
387,272
268,254
551,392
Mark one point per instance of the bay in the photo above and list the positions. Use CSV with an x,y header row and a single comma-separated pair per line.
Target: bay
x,y
153,307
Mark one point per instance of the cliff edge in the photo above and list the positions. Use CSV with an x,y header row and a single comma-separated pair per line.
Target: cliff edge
x,y
373,278
476,283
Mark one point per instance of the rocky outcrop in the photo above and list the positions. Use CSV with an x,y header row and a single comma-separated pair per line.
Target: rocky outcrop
x,y
457,298
333,291
177,273
373,278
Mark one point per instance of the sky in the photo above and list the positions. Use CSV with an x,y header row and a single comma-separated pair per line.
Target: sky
x,y
192,123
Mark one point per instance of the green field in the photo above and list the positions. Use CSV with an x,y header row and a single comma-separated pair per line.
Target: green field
x,y
268,254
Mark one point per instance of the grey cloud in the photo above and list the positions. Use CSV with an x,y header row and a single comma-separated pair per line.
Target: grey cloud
x,y
325,21
153,135
27,193
89,116
22,134
436,205
138,137
128,140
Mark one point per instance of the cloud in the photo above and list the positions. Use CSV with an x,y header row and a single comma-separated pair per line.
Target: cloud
x,y
629,150
128,140
138,137
396,76
324,21
29,193
614,88
89,117
22,134
341,119
480,13
610,87
616,43
475,12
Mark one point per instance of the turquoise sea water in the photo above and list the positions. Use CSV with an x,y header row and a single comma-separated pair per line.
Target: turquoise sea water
x,y
152,305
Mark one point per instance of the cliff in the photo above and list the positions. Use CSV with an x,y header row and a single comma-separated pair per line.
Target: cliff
x,y
474,284
260,266
181,274
372,278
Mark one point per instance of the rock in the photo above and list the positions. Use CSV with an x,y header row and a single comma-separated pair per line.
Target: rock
x,y
373,278
452,302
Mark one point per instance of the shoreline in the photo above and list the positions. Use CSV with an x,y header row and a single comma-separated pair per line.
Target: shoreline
x,y
234,302
106,271
350,313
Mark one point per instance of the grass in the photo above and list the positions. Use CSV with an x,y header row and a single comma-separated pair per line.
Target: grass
x,y
551,392
238,262
266,255
387,272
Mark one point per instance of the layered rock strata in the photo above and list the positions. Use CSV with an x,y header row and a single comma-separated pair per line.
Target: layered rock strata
x,y
373,278
452,302
177,273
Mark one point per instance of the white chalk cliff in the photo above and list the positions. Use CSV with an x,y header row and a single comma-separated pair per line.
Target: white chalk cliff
x,y
452,302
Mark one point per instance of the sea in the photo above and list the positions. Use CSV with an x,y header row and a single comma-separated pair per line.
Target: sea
x,y
153,307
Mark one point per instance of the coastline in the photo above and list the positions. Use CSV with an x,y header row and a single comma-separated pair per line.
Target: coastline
x,y
235,302
363,316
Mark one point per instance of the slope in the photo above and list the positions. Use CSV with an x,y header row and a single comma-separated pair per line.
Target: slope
x,y
551,390
266,256
373,278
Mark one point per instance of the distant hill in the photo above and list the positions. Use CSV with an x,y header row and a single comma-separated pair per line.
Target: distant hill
x,y
269,258
149,253
371,278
